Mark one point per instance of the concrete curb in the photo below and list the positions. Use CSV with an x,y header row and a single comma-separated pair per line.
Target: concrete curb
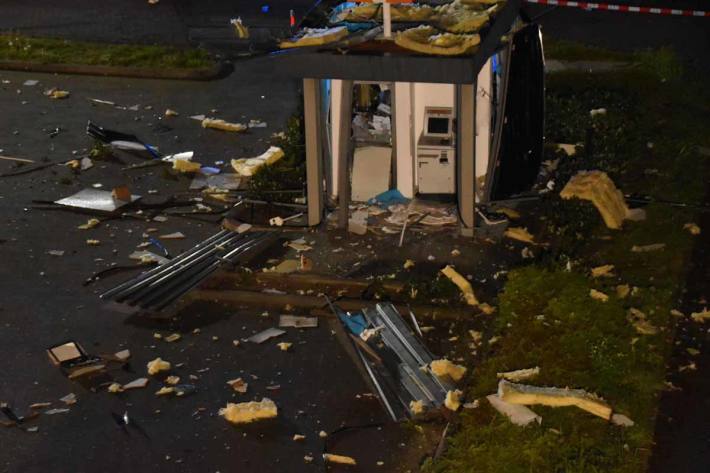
x,y
218,71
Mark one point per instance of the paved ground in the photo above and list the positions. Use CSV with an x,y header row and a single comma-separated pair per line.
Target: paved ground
x,y
44,303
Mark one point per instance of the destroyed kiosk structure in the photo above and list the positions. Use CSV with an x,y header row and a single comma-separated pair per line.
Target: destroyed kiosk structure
x,y
439,100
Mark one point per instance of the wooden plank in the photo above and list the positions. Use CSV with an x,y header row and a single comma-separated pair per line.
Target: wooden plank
x,y
317,305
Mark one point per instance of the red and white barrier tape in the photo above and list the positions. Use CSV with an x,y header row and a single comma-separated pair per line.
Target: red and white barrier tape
x,y
622,8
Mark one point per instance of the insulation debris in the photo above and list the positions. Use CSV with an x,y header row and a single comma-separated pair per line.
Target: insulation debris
x,y
428,40
186,166
247,412
91,223
172,380
606,270
462,284
165,390
693,228
284,346
443,368
238,385
621,420
174,337
315,37
158,365
248,166
339,459
647,248
218,124
55,93
517,414
597,187
519,375
453,400
598,295
416,407
114,388
622,290
554,397
456,17
520,234
640,322
701,316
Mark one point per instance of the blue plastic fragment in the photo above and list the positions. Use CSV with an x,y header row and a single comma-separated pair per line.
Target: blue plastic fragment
x,y
355,322
390,197
208,170
265,9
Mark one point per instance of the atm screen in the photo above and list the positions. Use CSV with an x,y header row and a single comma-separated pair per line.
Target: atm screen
x,y
438,126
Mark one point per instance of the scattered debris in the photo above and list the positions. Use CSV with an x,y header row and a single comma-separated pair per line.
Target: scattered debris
x,y
218,124
55,252
172,236
261,337
158,365
597,111
174,337
443,368
622,290
597,187
519,375
93,242
114,388
91,223
701,316
284,346
278,221
621,420
517,414
603,271
92,199
55,93
165,390
172,380
339,459
238,385
520,234
298,437
453,400
693,228
69,399
241,30
186,166
247,412
640,322
647,248
554,397
357,223
416,407
598,295
462,284
136,384
51,412
19,160
569,149
297,322
170,113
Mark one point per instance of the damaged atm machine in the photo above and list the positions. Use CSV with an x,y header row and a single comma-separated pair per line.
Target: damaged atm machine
x,y
442,101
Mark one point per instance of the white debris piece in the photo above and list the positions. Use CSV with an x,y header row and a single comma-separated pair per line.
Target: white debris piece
x,y
517,414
